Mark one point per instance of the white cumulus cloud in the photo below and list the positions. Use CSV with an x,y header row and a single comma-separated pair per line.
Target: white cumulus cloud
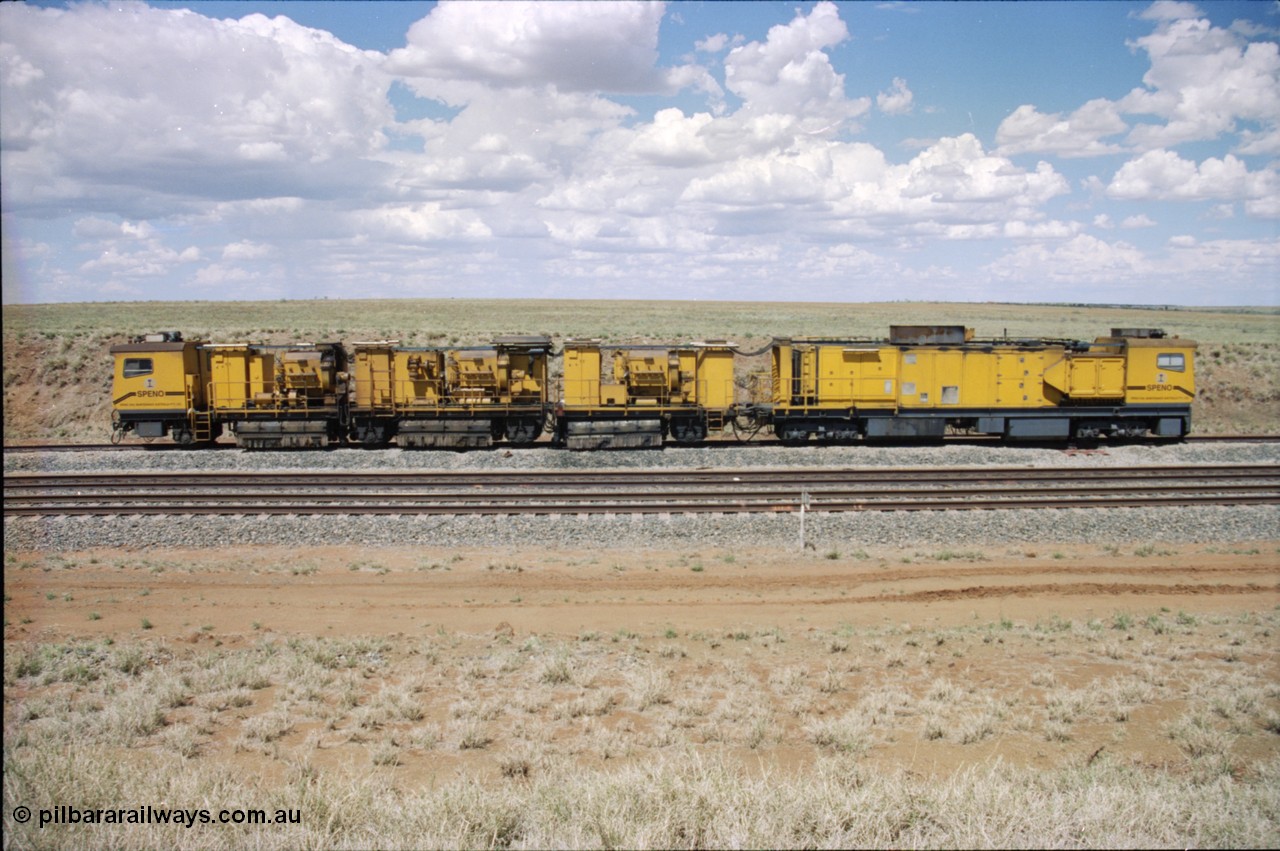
x,y
246,250
897,100
1079,134
1203,82
1163,175
571,45
1083,258
158,110
790,73
554,145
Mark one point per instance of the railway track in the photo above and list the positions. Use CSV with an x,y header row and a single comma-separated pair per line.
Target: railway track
x,y
707,444
651,491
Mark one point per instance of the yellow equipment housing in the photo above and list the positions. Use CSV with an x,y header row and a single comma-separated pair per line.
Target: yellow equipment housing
x,y
278,397
457,398
920,382
387,379
158,388
685,391
248,378
923,380
697,374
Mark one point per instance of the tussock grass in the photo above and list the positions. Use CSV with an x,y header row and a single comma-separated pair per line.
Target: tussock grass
x,y
468,320
681,801
477,741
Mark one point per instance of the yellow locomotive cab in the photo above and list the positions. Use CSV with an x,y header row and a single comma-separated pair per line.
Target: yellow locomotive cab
x,y
158,389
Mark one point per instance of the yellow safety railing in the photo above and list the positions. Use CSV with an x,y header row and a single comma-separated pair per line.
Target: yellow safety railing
x,y
389,397
233,397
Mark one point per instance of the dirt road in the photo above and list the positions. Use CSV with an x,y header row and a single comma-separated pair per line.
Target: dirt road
x,y
351,591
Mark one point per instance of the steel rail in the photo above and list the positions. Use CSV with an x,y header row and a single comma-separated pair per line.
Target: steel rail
x,y
637,491
820,496
1000,487
650,477
725,443
723,507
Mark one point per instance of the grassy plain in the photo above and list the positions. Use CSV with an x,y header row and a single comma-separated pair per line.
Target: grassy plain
x,y
985,697
57,368
474,320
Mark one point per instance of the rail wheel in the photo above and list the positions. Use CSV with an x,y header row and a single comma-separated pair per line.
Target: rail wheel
x,y
371,435
688,430
792,435
523,431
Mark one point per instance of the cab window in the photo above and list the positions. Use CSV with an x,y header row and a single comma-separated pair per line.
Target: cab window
x,y
1171,362
134,367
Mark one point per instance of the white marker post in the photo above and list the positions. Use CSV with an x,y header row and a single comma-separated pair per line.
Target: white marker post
x,y
804,505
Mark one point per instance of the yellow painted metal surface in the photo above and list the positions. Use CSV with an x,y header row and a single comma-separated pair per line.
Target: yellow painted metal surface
x,y
1160,371
157,377
645,375
1092,376
713,386
526,375
823,375
389,380
581,383
1019,377
240,377
475,378
694,376
248,377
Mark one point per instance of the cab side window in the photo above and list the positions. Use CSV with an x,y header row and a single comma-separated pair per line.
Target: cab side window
x,y
134,367
1171,362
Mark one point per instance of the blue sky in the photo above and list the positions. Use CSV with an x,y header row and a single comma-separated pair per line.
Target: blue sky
x,y
1040,152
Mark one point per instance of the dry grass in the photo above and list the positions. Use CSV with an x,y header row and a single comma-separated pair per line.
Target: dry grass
x,y
469,320
1239,388
678,801
1150,729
